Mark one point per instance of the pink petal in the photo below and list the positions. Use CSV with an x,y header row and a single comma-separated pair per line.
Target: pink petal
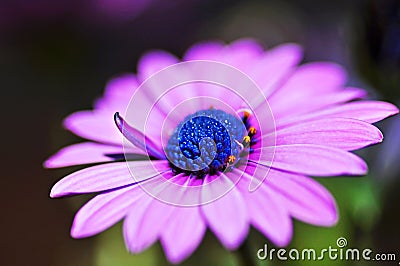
x,y
182,234
121,85
226,216
266,212
304,198
313,159
104,210
147,218
117,93
147,113
204,51
368,111
144,223
94,125
153,62
201,97
342,133
107,176
311,79
86,153
308,80
307,104
241,54
275,66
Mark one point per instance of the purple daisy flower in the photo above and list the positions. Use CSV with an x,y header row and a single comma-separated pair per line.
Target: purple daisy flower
x,y
191,154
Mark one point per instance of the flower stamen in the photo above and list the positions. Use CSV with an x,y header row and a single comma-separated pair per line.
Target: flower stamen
x,y
252,131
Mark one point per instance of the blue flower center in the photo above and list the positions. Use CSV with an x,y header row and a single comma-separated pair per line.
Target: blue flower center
x,y
206,142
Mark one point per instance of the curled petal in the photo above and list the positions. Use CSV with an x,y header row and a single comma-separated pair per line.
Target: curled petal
x,y
137,138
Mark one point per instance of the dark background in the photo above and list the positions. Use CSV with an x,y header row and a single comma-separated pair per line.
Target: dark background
x,y
56,56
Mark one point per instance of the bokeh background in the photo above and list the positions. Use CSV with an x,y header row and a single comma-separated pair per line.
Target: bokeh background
x,y
56,56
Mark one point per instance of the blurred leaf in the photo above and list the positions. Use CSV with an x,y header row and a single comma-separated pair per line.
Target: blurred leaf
x,y
357,197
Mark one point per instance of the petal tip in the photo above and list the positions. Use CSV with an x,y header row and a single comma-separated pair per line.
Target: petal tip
x,y
175,258
363,170
57,191
284,241
48,164
54,193
76,232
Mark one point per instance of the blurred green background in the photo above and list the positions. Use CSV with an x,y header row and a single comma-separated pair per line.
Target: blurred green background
x,y
55,57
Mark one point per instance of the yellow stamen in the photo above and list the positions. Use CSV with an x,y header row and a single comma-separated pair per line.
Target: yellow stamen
x,y
246,114
252,131
231,159
246,139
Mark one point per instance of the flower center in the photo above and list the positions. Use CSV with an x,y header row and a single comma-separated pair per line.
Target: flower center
x,y
207,142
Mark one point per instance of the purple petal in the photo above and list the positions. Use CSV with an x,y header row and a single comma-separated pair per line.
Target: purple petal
x,y
94,125
182,234
241,54
265,71
201,97
368,111
204,51
117,93
314,78
274,66
266,212
104,210
85,153
342,133
304,198
309,79
310,103
138,139
107,176
144,223
147,218
153,62
313,159
226,216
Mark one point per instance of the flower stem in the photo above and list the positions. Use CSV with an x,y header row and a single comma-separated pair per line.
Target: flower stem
x,y
245,254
